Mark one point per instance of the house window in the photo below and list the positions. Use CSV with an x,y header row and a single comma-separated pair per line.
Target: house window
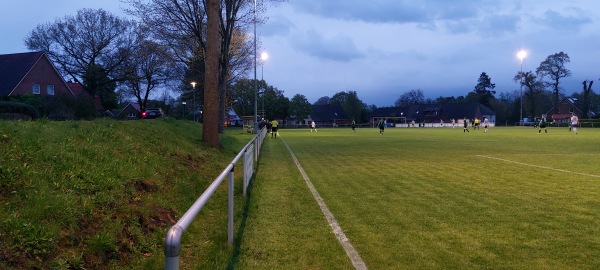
x,y
50,90
571,110
36,89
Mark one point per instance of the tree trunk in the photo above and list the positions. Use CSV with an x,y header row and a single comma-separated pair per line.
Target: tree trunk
x,y
210,130
587,89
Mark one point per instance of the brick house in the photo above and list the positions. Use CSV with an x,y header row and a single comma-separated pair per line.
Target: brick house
x,y
80,90
562,111
30,73
130,111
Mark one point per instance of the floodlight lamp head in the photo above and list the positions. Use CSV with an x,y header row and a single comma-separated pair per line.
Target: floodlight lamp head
x,y
521,54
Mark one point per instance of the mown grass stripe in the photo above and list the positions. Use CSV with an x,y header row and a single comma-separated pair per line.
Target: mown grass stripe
x,y
337,230
538,166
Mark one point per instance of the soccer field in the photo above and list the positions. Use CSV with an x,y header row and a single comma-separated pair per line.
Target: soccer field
x,y
433,198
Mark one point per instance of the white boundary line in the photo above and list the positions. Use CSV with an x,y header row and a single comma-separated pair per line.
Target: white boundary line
x,y
337,230
541,167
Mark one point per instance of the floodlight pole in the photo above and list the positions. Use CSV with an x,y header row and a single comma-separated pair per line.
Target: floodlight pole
x,y
255,129
521,117
521,55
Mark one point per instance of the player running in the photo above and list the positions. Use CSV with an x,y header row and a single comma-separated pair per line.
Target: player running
x,y
486,123
574,122
381,126
543,124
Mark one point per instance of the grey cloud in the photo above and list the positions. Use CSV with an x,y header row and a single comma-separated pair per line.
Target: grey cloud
x,y
491,25
277,26
338,48
499,25
376,11
393,11
558,21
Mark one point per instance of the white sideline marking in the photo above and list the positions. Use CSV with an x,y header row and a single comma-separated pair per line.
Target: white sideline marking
x,y
337,230
541,167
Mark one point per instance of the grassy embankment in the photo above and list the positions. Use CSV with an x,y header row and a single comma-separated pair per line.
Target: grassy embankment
x,y
102,194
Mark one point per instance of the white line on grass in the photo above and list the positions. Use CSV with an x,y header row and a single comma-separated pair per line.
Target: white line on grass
x,y
541,167
337,230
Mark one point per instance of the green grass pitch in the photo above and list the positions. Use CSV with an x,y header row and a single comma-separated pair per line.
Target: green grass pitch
x,y
439,198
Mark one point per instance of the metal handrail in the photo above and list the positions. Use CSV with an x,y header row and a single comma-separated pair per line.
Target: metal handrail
x,y
175,233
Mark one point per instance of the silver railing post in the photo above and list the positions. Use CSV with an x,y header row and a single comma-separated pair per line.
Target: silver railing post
x,y
173,248
174,235
230,209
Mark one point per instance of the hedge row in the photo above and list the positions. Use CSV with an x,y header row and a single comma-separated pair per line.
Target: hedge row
x,y
18,108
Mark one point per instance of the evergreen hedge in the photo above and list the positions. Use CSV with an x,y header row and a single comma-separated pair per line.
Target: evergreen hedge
x,y
10,107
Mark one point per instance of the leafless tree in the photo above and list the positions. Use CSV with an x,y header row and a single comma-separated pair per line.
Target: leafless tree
x,y
181,24
534,87
148,69
92,40
554,68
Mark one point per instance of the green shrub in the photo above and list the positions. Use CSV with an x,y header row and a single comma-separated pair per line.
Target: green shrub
x,y
18,108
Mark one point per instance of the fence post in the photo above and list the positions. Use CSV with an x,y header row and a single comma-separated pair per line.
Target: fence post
x,y
173,247
230,209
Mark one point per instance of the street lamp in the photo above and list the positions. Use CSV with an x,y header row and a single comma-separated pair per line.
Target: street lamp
x,y
194,100
521,55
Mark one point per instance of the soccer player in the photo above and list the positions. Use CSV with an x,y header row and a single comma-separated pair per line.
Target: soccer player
x,y
353,125
313,126
476,123
465,125
543,124
574,122
486,123
381,126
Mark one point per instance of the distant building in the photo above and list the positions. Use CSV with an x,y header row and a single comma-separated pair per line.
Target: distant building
x,y
80,90
30,73
232,119
562,111
433,113
130,111
326,115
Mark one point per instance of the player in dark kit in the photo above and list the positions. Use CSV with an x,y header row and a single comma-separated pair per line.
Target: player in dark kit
x,y
381,126
543,124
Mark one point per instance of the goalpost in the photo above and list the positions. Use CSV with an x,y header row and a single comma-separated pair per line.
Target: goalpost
x,y
401,120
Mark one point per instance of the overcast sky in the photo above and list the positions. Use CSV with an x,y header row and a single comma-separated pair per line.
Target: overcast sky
x,y
383,48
